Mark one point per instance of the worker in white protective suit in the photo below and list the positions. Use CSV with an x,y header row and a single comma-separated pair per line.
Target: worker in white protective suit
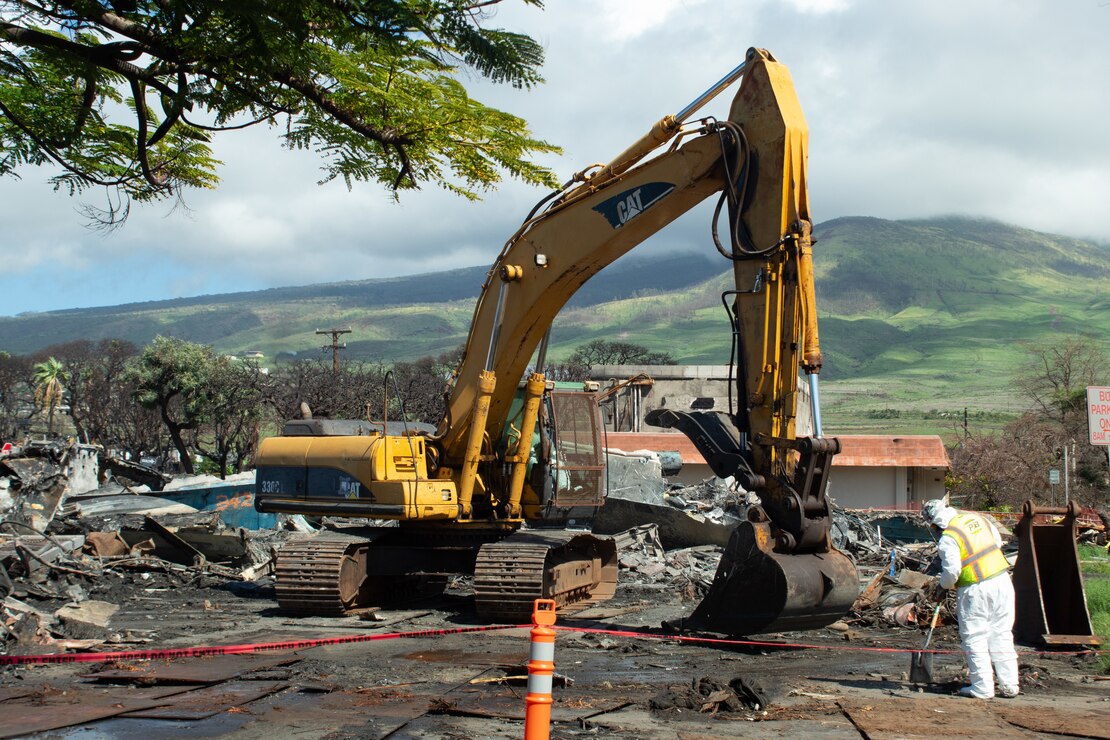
x,y
971,559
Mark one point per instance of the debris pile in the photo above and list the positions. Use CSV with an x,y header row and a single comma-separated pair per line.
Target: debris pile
x,y
897,569
712,696
705,513
60,591
895,578
36,477
73,548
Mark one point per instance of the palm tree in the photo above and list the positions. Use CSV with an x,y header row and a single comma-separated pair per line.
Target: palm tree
x,y
48,378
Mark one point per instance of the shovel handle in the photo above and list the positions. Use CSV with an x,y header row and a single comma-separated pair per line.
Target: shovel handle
x,y
932,626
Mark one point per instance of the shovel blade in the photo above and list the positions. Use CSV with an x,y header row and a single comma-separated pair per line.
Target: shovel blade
x,y
921,668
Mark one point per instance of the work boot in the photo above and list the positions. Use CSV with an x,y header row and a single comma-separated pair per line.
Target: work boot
x,y
1008,692
969,693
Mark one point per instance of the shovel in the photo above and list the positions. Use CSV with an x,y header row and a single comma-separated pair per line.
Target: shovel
x,y
921,667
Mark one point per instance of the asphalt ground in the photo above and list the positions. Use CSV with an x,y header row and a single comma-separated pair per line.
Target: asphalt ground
x,y
618,675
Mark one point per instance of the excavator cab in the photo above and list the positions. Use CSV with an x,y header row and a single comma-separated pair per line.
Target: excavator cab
x,y
565,479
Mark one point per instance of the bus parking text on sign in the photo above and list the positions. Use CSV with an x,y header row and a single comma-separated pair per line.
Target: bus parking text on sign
x,y
1098,415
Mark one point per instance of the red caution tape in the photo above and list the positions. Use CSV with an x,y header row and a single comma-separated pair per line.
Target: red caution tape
x,y
800,645
197,652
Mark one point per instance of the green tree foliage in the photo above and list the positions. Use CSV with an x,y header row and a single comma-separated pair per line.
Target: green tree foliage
x,y
606,352
175,378
49,377
229,431
1010,467
127,94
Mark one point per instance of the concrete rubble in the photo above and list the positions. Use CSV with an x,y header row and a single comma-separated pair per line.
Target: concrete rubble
x,y
673,536
79,533
687,516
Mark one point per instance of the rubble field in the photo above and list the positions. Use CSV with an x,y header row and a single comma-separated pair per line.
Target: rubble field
x,y
120,568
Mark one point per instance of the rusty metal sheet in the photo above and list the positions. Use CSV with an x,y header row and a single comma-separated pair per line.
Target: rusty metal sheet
x,y
461,657
508,705
211,700
50,708
927,718
7,693
370,712
1056,722
190,670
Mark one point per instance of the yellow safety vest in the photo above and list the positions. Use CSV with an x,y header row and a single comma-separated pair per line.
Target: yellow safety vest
x,y
980,556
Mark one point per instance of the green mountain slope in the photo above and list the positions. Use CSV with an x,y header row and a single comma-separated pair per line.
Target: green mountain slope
x,y
920,319
948,307
393,318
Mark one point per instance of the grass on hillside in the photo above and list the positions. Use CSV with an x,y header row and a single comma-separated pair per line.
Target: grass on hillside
x,y
1095,562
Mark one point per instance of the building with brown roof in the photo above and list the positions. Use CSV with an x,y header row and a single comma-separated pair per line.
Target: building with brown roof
x,y
871,471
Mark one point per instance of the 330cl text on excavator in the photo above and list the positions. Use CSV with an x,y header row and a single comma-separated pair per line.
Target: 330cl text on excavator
x,y
505,487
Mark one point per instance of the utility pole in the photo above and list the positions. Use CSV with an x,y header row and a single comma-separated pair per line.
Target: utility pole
x,y
335,346
1067,495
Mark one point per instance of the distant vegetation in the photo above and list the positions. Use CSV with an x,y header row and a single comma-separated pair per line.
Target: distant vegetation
x,y
920,319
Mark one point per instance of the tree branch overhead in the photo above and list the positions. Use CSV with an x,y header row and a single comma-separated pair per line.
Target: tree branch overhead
x,y
363,82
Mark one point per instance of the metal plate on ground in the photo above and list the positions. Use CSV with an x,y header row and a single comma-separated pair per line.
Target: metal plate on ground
x,y
1057,722
509,705
191,670
461,657
927,719
53,709
211,700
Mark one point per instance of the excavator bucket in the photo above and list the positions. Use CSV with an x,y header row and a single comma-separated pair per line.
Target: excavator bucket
x,y
1051,605
759,590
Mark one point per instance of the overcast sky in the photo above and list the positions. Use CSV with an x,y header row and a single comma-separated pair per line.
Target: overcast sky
x,y
993,108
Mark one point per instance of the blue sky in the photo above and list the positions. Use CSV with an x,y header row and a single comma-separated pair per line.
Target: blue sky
x,y
993,108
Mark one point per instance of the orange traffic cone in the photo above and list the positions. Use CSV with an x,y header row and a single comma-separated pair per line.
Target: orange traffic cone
x,y
541,671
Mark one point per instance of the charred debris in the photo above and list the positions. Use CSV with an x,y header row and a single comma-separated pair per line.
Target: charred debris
x,y
83,532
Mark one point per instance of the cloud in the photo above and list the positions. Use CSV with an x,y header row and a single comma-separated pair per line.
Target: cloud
x,y
626,20
818,6
915,109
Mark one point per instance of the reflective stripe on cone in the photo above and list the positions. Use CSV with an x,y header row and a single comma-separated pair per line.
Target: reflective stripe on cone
x,y
541,672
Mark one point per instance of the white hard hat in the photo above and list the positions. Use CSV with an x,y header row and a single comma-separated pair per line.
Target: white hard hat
x,y
932,510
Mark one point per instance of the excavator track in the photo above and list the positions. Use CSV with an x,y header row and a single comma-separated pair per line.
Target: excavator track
x,y
335,574
322,576
576,570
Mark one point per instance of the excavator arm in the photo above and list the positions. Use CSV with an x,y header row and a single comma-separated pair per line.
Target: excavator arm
x,y
756,161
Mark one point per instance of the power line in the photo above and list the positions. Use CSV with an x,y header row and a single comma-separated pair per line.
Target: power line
x,y
335,346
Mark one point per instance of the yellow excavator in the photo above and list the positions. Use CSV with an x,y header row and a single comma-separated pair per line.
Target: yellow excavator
x,y
505,486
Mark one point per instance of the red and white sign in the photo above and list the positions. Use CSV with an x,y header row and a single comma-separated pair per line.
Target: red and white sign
x,y
1098,415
